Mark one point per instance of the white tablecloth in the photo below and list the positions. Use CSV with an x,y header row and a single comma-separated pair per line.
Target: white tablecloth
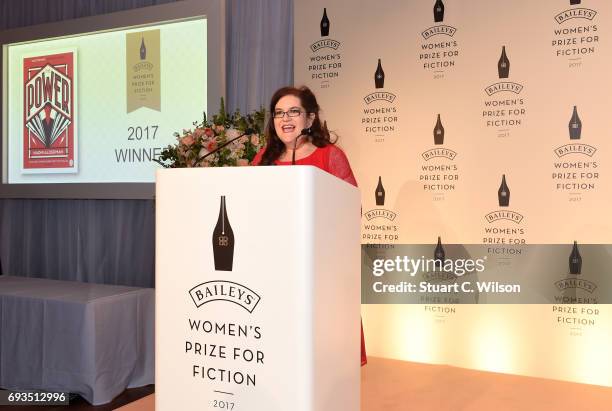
x,y
90,339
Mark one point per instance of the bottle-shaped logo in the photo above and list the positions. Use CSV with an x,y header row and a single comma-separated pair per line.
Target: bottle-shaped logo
x,y
380,193
503,194
575,260
574,2
143,50
223,241
575,126
439,253
379,76
324,24
438,11
503,65
438,132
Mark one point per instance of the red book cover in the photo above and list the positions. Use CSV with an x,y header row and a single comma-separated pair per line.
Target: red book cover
x,y
49,89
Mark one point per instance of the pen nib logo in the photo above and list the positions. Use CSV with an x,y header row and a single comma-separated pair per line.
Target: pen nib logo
x,y
223,240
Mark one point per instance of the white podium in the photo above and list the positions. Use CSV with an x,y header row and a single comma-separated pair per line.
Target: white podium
x,y
257,290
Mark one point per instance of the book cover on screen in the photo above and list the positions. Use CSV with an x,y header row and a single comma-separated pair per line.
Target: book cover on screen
x,y
49,118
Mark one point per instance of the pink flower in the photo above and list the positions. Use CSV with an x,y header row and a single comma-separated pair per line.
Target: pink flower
x,y
187,140
232,133
211,146
241,162
218,129
209,132
198,133
255,139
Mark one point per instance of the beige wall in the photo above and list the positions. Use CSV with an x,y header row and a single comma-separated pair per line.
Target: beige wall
x,y
547,80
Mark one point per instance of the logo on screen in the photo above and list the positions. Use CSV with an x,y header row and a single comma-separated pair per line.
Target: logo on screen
x,y
49,112
143,70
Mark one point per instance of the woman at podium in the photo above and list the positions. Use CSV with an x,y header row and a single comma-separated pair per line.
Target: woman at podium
x,y
296,135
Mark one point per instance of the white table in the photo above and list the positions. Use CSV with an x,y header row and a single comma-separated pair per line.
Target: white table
x,y
90,339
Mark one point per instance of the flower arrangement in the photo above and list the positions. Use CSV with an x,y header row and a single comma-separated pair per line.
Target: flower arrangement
x,y
195,147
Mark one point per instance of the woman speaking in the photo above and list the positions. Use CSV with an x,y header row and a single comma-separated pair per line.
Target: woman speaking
x,y
295,135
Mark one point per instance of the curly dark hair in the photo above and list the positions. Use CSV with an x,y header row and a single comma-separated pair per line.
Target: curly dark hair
x,y
318,134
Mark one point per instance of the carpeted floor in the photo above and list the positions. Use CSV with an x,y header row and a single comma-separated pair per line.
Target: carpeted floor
x,y
390,385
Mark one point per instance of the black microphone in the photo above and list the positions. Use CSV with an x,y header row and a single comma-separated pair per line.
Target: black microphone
x,y
305,132
246,132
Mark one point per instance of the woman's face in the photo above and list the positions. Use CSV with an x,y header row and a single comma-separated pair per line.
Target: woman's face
x,y
290,119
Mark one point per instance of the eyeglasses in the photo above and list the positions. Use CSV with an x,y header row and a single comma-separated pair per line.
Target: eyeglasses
x,y
292,112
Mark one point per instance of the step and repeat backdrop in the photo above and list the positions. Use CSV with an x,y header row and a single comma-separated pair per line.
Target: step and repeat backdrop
x,y
480,123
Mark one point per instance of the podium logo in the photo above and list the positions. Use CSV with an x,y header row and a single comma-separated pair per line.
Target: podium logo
x,y
48,111
224,291
223,241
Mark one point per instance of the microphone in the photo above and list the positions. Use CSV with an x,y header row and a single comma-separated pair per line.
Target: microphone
x,y
246,132
305,132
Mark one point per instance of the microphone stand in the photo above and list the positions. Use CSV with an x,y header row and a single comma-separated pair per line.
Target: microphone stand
x,y
305,131
294,148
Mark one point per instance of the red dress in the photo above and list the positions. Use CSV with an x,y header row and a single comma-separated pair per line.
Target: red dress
x,y
333,160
